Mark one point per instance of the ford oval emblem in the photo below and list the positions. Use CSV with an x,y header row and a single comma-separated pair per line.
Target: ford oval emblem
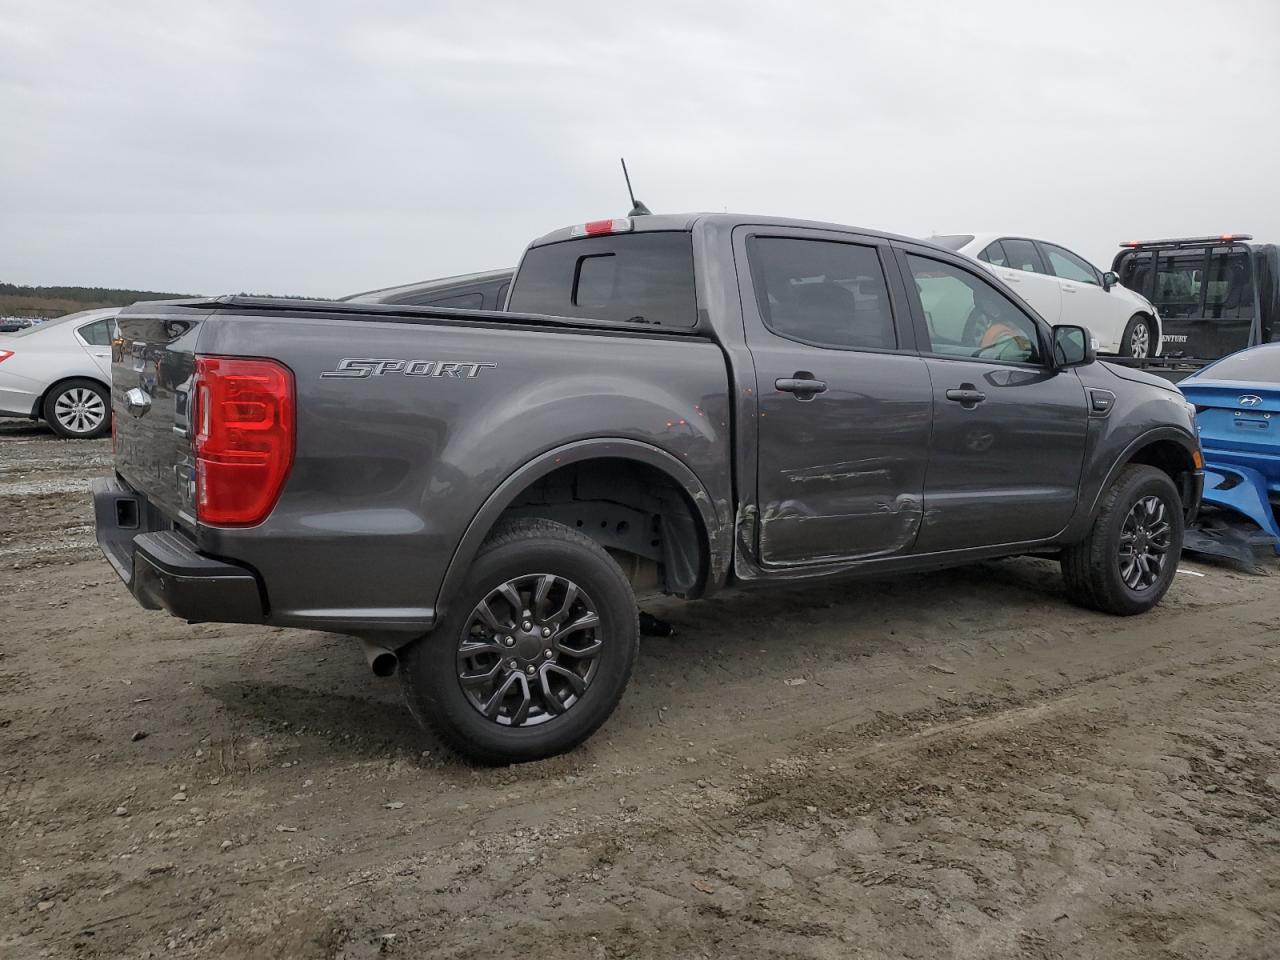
x,y
1250,400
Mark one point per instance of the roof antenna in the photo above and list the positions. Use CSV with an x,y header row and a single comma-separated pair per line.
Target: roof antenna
x,y
638,209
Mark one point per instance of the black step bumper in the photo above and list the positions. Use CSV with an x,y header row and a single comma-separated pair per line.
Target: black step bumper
x,y
162,568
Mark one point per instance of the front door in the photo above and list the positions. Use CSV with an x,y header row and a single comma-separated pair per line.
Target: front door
x,y
1008,430
844,404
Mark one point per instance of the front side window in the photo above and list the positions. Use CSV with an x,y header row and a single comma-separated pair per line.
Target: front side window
x,y
967,317
994,253
1023,255
96,334
1178,282
823,292
1068,266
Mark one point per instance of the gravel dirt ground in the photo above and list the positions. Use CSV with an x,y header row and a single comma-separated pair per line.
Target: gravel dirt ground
x,y
952,765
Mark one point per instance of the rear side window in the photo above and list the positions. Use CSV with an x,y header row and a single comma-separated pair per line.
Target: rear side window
x,y
1022,255
823,292
636,277
994,253
96,334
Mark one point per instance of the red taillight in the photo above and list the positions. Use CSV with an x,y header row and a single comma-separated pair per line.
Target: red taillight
x,y
243,417
5,355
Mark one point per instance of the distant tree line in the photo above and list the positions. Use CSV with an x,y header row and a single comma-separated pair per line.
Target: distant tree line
x,y
95,296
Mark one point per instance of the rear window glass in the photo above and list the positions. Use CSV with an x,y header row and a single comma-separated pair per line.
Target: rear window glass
x,y
630,277
1178,282
1135,271
1253,366
952,241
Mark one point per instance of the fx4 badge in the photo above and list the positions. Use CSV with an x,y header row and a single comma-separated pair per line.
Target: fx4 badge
x,y
361,368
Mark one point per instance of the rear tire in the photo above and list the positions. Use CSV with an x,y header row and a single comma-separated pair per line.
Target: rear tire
x,y
1113,569
1139,339
507,682
78,409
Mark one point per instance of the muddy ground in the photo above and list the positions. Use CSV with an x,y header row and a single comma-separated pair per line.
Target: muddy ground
x,y
952,765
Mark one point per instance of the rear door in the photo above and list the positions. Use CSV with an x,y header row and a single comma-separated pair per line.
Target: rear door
x,y
1026,273
95,337
844,404
1008,430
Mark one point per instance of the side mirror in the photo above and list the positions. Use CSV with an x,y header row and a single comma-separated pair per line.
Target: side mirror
x,y
1072,347
1109,280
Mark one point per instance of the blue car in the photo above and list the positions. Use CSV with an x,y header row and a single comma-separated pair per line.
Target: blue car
x,y
1237,402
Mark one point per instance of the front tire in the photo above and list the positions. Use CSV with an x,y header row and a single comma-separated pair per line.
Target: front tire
x,y
1139,338
78,410
535,651
1127,562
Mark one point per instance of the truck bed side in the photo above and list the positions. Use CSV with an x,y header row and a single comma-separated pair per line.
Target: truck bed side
x,y
407,422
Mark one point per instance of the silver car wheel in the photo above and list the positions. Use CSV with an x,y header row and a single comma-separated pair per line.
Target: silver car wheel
x,y
80,410
1139,341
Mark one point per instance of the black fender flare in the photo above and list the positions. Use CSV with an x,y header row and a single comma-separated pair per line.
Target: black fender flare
x,y
614,448
1181,437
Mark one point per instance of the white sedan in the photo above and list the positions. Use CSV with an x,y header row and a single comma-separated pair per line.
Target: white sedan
x,y
60,372
1063,287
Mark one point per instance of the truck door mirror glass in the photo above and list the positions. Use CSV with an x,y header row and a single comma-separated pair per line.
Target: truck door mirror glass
x,y
1072,346
1109,280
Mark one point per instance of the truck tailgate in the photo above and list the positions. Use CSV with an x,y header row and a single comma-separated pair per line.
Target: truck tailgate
x,y
153,357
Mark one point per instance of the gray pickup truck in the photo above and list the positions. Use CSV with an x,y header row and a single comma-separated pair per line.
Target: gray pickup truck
x,y
669,403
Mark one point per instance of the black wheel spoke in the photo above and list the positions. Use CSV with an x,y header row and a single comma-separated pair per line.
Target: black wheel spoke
x,y
484,678
552,699
576,682
540,595
509,594
485,613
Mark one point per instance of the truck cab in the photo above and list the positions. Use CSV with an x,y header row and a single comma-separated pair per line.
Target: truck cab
x,y
1215,295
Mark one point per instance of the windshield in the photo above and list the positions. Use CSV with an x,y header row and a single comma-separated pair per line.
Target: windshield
x,y
952,241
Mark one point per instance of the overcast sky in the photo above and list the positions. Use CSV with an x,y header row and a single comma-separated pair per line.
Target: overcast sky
x,y
323,148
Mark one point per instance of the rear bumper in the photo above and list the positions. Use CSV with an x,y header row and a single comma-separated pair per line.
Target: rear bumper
x,y
162,568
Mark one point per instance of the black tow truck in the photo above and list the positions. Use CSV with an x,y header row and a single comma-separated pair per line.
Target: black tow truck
x,y
1216,295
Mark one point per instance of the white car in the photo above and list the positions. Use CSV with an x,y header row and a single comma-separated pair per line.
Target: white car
x,y
1063,287
60,372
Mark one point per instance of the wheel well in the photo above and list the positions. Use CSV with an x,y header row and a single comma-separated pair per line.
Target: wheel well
x,y
1171,457
37,411
635,511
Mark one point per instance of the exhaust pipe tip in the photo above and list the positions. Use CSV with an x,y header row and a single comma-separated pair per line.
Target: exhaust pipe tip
x,y
382,661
